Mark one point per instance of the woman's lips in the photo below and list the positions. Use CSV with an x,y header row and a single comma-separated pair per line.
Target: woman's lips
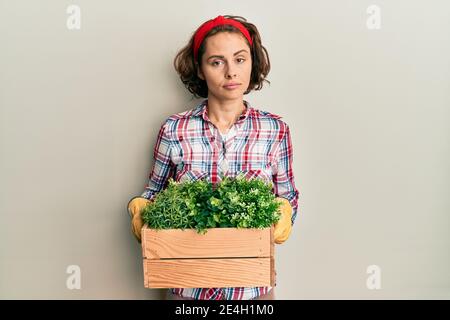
x,y
231,87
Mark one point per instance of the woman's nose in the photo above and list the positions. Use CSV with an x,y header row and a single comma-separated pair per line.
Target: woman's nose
x,y
231,72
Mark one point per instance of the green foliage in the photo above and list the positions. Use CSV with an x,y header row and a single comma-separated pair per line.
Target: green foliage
x,y
232,203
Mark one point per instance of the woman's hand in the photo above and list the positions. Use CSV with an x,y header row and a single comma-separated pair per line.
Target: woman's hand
x,y
283,227
135,207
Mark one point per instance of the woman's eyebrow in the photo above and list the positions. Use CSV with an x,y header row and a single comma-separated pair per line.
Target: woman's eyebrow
x,y
218,56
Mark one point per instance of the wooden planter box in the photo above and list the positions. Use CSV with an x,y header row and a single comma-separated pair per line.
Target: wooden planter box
x,y
223,257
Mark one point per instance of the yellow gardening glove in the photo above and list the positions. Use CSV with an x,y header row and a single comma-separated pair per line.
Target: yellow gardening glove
x,y
284,226
135,207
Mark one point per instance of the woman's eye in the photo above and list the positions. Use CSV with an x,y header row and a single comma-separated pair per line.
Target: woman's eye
x,y
216,63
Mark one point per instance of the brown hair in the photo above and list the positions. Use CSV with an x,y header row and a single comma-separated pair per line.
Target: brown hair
x,y
186,67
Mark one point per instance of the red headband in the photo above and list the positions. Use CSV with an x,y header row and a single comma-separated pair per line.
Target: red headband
x,y
219,20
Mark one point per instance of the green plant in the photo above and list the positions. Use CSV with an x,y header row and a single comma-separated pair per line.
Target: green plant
x,y
232,203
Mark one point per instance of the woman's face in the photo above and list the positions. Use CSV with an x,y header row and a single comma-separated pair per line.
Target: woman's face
x,y
227,59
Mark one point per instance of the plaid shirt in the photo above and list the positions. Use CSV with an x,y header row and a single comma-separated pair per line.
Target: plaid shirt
x,y
190,147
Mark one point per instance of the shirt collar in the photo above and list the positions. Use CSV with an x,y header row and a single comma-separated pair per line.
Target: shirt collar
x,y
202,111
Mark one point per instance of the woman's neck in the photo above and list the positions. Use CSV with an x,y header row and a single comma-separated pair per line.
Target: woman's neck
x,y
224,114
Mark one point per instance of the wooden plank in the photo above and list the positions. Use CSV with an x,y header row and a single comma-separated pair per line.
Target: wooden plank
x,y
273,273
216,243
145,273
272,258
207,273
272,242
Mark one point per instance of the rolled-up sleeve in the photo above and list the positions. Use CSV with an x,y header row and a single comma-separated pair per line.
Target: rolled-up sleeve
x,y
284,185
163,167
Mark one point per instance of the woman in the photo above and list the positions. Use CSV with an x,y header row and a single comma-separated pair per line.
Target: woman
x,y
223,135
